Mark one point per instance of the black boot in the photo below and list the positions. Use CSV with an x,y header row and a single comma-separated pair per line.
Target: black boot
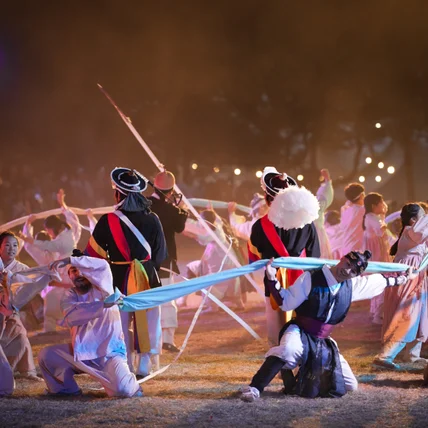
x,y
288,380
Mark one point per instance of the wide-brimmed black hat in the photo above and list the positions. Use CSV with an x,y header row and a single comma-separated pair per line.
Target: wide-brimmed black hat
x,y
127,180
272,181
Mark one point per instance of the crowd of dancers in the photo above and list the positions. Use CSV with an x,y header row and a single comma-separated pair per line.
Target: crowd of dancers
x,y
133,248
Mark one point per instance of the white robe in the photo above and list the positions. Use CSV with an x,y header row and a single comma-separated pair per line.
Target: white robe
x,y
325,195
96,331
241,226
212,260
98,346
335,238
51,295
351,223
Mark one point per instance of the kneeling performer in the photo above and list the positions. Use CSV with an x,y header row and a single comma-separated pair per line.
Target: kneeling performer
x,y
98,347
321,299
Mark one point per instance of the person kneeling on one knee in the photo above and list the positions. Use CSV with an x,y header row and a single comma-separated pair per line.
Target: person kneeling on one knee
x,y
98,347
321,299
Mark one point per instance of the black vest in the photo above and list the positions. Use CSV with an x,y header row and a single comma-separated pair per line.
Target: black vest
x,y
321,299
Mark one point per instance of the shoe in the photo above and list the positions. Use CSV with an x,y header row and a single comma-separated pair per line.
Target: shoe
x,y
170,347
421,361
139,393
249,394
289,381
62,394
384,364
27,376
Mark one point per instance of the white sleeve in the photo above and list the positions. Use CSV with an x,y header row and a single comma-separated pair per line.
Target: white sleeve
x,y
96,270
62,244
243,230
41,257
92,223
194,229
419,231
74,222
295,295
368,286
28,230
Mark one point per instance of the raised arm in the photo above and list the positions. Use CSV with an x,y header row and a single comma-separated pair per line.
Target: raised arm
x,y
325,193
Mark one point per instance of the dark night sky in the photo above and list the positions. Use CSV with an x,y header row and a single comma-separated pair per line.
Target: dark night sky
x,y
170,65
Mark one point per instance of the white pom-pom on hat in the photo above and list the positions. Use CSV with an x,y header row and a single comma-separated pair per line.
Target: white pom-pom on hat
x,y
293,208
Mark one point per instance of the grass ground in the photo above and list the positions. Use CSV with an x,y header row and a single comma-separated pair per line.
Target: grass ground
x,y
201,388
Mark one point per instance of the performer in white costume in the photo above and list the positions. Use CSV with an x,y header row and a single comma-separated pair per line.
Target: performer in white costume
x,y
325,195
13,337
61,245
351,219
376,240
98,346
240,225
334,232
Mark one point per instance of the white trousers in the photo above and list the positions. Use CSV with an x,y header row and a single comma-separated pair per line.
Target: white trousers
x,y
290,350
143,361
58,368
16,346
169,318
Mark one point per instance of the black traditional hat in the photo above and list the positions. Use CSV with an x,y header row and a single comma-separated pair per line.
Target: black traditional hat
x,y
127,181
359,260
273,181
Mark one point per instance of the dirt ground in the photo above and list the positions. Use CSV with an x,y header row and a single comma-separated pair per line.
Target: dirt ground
x,y
201,388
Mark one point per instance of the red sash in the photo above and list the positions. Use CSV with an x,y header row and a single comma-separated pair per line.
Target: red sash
x,y
273,237
136,280
118,236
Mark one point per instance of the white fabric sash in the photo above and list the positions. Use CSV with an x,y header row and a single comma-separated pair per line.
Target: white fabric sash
x,y
135,231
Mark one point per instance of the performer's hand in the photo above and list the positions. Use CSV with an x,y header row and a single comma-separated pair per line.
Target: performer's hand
x,y
325,174
3,278
58,264
411,274
231,207
90,214
270,271
31,219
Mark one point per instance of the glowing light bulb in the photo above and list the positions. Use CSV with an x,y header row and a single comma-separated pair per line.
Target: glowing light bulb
x,y
378,125
391,170
237,171
259,174
194,166
378,178
368,159
216,169
361,179
380,165
300,177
